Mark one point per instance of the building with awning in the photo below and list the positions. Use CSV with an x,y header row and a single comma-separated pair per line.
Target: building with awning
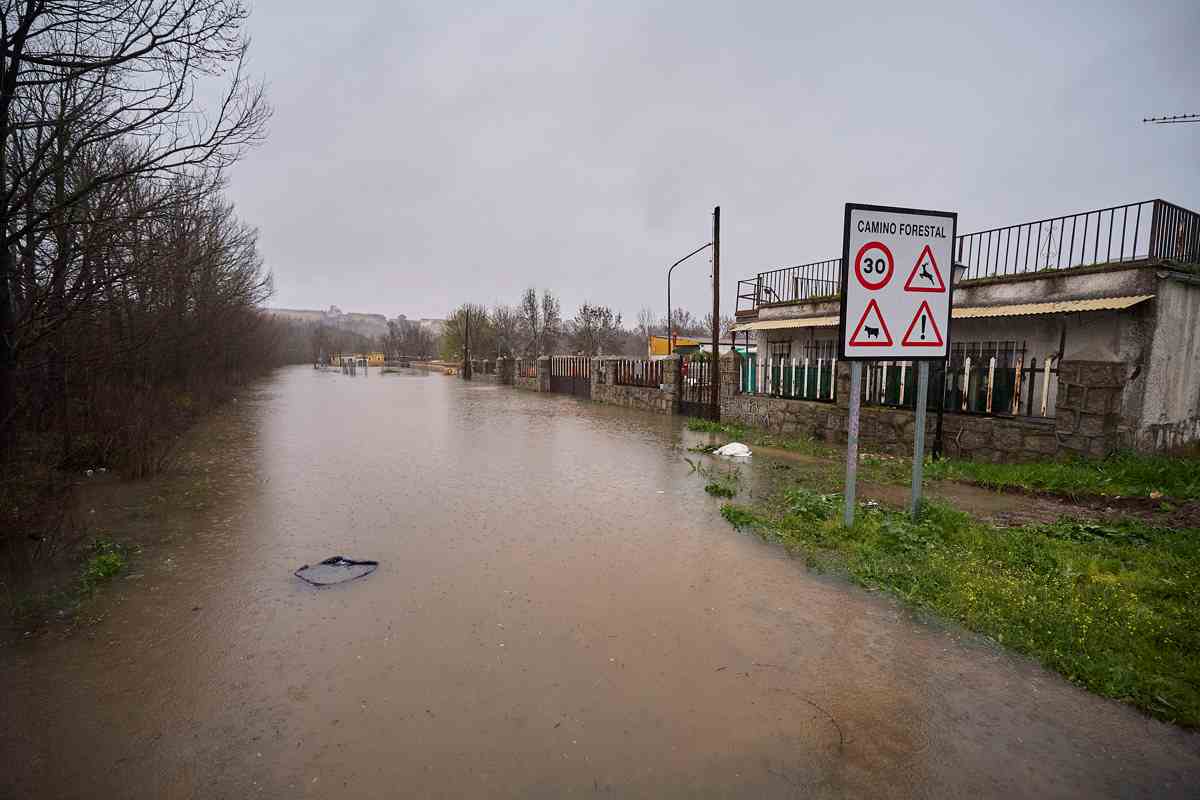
x,y
1117,287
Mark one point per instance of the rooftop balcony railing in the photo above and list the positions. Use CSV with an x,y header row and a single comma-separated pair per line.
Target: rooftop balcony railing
x,y
1153,230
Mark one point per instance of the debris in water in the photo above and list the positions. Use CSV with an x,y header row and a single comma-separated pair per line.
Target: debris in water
x,y
733,450
335,570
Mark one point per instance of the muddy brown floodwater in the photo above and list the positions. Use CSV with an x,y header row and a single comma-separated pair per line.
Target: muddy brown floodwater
x,y
559,610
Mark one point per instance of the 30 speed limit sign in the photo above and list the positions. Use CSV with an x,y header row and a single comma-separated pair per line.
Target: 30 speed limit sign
x,y
896,291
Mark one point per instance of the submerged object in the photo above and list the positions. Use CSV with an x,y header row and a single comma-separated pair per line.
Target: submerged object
x,y
734,450
337,569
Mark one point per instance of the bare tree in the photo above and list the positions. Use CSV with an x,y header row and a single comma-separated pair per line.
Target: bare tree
x,y
684,324
594,330
530,315
552,324
647,323
95,95
540,322
726,331
506,322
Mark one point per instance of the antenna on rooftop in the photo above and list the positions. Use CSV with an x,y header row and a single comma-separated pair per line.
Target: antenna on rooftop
x,y
1173,119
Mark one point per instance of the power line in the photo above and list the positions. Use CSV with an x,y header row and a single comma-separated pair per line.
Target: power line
x,y
1173,119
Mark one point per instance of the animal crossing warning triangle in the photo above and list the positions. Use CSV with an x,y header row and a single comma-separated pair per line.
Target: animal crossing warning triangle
x,y
871,330
925,275
923,330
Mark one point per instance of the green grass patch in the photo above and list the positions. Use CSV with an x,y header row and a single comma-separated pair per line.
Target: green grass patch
x,y
103,559
720,489
1111,606
107,559
1120,475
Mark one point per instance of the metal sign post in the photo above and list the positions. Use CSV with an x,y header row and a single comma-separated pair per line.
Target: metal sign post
x,y
852,440
919,435
897,271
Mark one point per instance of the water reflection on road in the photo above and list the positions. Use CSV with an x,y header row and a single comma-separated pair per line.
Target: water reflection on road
x,y
559,609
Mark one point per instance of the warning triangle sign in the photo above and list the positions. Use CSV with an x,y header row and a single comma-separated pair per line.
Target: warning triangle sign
x,y
925,275
871,330
923,330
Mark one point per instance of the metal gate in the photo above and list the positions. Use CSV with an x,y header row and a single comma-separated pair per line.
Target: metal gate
x,y
571,375
696,373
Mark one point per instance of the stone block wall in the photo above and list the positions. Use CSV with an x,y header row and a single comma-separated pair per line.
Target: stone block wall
x,y
662,400
505,370
1088,412
1086,421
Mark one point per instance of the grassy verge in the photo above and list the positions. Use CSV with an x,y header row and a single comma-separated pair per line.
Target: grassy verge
x,y
1121,475
1111,607
741,433
873,467
103,560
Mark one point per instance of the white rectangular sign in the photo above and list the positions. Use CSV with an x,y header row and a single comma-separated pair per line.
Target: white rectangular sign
x,y
897,268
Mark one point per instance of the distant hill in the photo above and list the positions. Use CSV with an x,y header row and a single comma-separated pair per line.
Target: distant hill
x,y
362,324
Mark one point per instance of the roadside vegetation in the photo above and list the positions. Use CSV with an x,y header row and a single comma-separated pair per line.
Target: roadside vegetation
x,y
130,290
1110,606
1120,475
101,560
873,467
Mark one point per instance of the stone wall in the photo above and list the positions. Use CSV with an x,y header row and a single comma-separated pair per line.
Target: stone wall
x,y
1088,411
645,398
1086,422
505,370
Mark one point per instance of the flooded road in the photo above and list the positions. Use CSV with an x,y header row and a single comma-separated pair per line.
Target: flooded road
x,y
559,610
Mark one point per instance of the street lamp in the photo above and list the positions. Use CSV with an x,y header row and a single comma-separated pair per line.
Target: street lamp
x,y
670,338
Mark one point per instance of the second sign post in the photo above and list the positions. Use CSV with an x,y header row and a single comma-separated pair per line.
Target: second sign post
x,y
896,300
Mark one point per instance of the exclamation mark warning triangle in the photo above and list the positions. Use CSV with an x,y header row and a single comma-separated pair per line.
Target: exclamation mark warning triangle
x,y
923,330
871,330
925,275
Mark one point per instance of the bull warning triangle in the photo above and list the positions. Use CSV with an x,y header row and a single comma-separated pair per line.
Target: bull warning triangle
x,y
925,328
876,335
925,275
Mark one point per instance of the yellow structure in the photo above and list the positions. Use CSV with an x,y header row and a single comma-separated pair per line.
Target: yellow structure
x,y
371,359
658,345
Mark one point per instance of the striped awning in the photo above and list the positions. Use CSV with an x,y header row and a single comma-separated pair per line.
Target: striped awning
x,y
968,312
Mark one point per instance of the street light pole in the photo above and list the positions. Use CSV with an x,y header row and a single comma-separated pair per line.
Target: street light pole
x,y
670,337
714,374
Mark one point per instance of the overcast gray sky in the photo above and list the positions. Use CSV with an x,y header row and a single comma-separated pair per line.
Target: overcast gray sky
x,y
423,154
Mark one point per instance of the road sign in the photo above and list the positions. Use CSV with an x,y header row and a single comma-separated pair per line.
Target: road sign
x,y
881,245
923,330
872,330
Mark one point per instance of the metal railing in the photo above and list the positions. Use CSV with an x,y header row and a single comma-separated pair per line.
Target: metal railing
x,y
810,374
637,372
986,378
570,366
1153,229
526,368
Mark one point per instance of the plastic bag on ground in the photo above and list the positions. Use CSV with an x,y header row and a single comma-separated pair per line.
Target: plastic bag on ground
x,y
335,570
733,450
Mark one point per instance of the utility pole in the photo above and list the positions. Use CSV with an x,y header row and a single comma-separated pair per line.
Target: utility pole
x,y
715,375
466,370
